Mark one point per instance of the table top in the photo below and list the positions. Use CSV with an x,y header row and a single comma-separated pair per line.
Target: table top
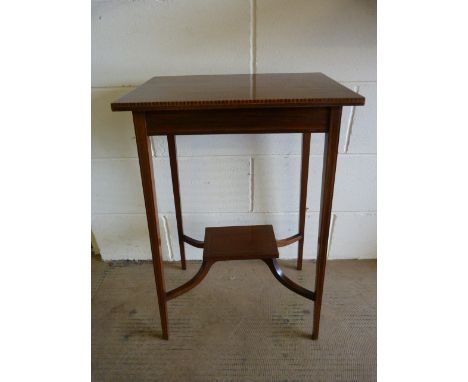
x,y
237,91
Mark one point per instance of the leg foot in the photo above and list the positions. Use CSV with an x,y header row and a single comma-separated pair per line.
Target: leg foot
x,y
163,316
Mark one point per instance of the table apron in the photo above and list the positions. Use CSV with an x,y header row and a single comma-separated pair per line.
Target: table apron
x,y
238,121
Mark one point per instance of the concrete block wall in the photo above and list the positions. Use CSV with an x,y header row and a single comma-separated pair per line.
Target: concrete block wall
x,y
238,179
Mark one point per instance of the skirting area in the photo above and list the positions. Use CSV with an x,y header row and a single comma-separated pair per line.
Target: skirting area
x,y
239,324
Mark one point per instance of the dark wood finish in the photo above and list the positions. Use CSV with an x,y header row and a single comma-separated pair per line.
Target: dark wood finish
x,y
279,243
287,282
288,240
270,261
330,156
303,196
193,242
238,121
240,243
171,143
147,179
192,283
265,103
238,91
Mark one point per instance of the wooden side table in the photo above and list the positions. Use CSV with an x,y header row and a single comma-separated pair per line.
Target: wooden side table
x,y
239,104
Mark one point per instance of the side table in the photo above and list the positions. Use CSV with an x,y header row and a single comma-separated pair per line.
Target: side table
x,y
303,103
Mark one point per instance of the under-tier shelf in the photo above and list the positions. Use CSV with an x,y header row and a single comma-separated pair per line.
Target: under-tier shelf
x,y
240,243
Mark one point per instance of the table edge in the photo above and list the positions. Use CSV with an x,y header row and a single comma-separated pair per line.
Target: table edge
x,y
230,104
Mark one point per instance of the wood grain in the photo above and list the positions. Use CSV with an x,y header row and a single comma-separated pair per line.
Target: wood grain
x,y
238,121
237,91
330,156
240,243
147,179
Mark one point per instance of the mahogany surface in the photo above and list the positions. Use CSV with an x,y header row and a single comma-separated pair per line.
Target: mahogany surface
x,y
238,121
240,243
238,91
224,104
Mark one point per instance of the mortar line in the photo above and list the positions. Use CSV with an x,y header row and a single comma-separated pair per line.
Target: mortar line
x,y
253,36
134,86
168,213
166,157
251,184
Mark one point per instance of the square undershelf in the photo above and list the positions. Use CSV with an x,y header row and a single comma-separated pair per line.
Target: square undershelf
x,y
240,243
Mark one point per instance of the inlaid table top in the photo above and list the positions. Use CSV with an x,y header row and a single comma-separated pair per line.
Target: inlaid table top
x,y
237,91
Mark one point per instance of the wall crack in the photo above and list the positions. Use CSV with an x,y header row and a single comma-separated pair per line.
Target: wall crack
x,y
350,123
167,235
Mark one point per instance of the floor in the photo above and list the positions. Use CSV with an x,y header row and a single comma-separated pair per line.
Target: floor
x,y
239,324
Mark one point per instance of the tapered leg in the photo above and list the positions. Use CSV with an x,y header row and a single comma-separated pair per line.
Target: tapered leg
x,y
303,197
328,180
147,179
175,190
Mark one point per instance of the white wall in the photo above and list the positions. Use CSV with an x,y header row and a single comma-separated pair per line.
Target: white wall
x,y
235,179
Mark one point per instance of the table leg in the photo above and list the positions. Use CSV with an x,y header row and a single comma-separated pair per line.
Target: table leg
x,y
171,143
330,156
147,179
303,197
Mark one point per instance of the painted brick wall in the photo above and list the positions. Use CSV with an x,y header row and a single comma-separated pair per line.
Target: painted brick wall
x,y
227,180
